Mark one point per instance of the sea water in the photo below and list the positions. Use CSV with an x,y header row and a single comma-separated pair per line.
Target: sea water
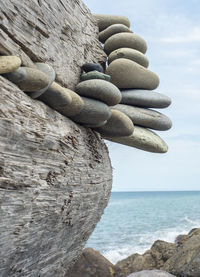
x,y
132,221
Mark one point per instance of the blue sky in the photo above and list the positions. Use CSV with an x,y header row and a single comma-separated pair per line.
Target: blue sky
x,y
171,29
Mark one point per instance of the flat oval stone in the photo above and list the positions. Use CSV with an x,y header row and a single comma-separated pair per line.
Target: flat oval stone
x,y
56,97
95,125
94,75
9,63
75,106
142,139
50,73
101,90
93,112
145,98
145,117
128,53
127,74
16,76
87,67
112,30
105,20
35,80
118,125
125,40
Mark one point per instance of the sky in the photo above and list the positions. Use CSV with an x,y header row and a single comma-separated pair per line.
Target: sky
x,y
171,29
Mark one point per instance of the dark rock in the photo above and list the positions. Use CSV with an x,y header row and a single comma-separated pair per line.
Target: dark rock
x,y
105,20
100,90
118,125
112,30
145,98
94,75
87,67
125,40
16,76
145,117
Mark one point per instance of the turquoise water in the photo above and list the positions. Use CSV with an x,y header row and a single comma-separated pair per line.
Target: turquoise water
x,y
132,221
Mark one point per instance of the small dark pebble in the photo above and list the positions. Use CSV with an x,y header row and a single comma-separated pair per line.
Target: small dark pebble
x,y
87,67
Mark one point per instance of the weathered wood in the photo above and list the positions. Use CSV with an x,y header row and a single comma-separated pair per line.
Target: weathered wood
x,y
55,176
55,181
62,33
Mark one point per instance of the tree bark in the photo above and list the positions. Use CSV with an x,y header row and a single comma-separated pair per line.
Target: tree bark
x,y
55,176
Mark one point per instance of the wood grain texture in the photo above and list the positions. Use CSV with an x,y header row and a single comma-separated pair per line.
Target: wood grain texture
x,y
55,181
62,33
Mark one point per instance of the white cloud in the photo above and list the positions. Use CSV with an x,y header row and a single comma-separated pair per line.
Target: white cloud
x,y
188,36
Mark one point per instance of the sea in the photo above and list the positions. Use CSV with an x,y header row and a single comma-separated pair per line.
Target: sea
x,y
132,221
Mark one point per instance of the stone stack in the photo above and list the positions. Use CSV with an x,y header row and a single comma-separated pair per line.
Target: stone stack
x,y
127,67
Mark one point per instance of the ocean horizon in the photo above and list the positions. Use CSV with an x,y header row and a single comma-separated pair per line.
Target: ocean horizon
x,y
133,220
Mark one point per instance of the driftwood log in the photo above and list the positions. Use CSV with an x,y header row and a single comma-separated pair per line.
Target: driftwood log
x,y
55,176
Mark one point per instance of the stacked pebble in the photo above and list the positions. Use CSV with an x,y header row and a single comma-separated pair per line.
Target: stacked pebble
x,y
127,67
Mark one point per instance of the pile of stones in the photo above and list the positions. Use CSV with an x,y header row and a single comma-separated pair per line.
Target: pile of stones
x,y
113,101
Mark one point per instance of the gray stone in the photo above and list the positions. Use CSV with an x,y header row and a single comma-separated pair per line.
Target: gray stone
x,y
145,117
93,112
143,139
95,125
56,97
94,75
105,20
128,53
35,80
112,30
118,125
16,76
126,74
125,40
87,67
50,73
9,63
145,98
151,273
100,90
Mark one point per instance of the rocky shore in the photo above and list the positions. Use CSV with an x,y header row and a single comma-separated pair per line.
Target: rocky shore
x,y
164,259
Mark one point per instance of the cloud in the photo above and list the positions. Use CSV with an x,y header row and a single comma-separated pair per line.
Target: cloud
x,y
192,36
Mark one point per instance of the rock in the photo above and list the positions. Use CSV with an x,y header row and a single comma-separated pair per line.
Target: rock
x,y
145,117
125,40
143,139
9,63
50,73
126,74
75,106
151,273
91,263
35,80
95,125
112,30
56,97
128,53
145,98
180,239
100,90
93,112
94,75
16,76
105,20
118,125
87,67
186,260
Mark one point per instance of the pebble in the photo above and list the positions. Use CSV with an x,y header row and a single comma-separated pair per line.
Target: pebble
x,y
100,90
56,97
145,117
95,125
118,125
104,20
94,112
9,63
112,30
128,53
35,80
95,75
50,73
128,74
142,139
125,40
16,76
75,106
87,67
145,98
